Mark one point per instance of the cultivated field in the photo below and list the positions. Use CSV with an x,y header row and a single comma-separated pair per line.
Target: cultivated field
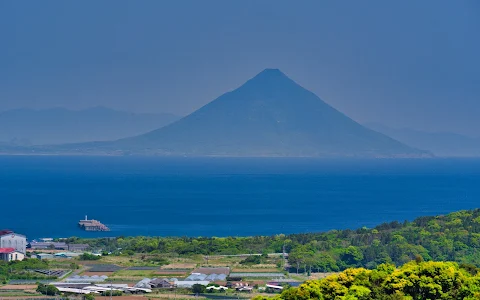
x,y
19,287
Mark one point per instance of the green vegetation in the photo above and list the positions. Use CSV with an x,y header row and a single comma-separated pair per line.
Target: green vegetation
x,y
22,270
255,259
198,288
16,294
454,237
112,293
414,281
48,290
88,256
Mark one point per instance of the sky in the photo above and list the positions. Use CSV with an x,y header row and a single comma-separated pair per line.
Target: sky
x,y
402,63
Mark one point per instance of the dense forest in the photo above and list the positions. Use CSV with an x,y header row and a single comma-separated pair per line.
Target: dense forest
x,y
415,281
453,237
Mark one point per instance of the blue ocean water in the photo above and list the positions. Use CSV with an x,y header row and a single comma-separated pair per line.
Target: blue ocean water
x,y
45,196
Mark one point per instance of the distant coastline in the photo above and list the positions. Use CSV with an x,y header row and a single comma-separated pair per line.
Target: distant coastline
x,y
100,154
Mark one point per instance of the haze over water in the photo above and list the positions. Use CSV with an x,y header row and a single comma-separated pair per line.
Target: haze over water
x,y
226,196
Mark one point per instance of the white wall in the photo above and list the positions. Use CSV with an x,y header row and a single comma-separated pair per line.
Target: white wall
x,y
12,240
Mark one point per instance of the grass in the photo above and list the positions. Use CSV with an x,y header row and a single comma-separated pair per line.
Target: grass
x,y
18,294
256,269
123,261
171,296
136,260
177,266
176,262
298,277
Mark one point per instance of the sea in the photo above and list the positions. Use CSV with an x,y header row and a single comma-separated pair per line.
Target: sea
x,y
46,196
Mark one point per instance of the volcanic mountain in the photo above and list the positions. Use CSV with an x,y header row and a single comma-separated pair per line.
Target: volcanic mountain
x,y
269,115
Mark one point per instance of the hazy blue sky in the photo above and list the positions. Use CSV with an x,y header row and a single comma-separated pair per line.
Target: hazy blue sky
x,y
404,63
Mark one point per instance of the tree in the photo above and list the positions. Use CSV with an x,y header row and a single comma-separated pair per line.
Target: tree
x,y
252,260
48,290
198,288
300,256
352,255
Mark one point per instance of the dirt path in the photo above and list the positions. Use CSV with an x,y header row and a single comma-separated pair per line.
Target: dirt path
x,y
19,287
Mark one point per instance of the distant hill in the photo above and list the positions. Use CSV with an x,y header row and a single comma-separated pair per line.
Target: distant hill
x,y
440,143
23,127
269,115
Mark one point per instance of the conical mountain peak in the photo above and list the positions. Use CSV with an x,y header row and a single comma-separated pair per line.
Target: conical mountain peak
x,y
271,74
270,78
269,115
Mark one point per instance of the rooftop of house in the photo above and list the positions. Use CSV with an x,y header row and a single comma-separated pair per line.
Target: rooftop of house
x,y
159,280
48,243
6,250
5,231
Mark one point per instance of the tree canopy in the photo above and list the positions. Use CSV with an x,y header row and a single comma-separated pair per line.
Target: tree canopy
x,y
415,281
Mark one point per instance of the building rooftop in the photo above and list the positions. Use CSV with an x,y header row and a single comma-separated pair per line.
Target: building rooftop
x,y
6,250
7,231
46,244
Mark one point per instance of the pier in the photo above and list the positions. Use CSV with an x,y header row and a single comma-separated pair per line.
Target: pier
x,y
92,225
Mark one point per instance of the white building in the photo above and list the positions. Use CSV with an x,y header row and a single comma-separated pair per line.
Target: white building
x,y
10,254
10,239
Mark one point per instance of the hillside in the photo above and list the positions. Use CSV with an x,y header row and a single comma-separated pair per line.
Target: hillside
x,y
440,143
24,127
453,237
269,115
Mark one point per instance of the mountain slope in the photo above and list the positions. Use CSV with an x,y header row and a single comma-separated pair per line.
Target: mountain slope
x,y
57,126
270,115
440,143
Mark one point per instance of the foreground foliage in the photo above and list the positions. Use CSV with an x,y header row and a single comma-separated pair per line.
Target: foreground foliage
x,y
454,237
414,280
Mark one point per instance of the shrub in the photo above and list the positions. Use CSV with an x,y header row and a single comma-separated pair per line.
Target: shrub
x,y
89,297
114,293
198,288
88,256
48,290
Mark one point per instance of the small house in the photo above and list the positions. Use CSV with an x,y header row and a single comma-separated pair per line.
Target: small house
x,y
45,256
10,254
